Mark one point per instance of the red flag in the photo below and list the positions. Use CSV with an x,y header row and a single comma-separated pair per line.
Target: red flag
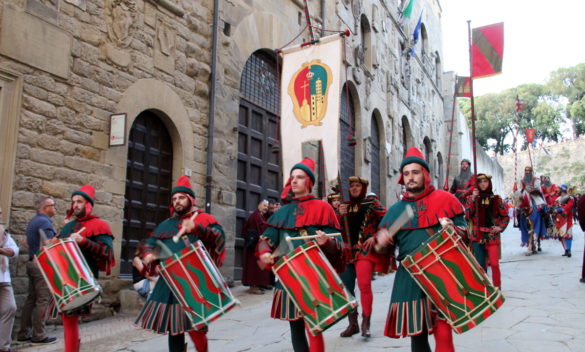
x,y
487,50
463,87
530,134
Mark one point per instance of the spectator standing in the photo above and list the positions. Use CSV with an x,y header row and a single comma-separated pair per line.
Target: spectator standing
x,y
39,229
8,249
253,276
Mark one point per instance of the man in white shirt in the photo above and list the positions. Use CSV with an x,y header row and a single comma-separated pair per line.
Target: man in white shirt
x,y
8,249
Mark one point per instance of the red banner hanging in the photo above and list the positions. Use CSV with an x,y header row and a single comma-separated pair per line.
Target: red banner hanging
x,y
530,134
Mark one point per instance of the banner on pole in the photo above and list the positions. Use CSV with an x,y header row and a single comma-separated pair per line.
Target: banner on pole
x,y
310,101
530,134
487,50
463,87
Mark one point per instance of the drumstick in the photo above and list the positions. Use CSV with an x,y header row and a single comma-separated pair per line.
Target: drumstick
x,y
182,230
80,231
288,238
402,219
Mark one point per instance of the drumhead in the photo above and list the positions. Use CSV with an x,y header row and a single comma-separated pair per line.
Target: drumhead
x,y
81,300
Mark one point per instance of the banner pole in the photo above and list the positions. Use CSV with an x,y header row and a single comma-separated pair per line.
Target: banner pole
x,y
473,139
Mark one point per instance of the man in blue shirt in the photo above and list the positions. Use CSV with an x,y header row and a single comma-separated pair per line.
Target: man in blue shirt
x,y
39,229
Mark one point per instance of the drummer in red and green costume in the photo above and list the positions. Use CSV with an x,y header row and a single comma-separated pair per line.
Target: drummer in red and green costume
x,y
411,312
316,217
162,312
95,242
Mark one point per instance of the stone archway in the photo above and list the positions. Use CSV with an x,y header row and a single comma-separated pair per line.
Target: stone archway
x,y
159,97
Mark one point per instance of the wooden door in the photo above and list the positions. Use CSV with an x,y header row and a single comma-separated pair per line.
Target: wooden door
x,y
148,183
259,174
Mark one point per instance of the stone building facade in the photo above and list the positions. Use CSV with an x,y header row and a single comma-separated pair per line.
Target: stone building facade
x,y
67,65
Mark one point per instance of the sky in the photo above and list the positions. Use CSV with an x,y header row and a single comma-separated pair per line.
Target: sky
x,y
539,37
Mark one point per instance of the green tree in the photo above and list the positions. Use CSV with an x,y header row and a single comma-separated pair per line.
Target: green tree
x,y
496,116
569,84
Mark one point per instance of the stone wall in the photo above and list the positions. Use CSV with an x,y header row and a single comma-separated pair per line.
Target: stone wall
x,y
79,62
83,60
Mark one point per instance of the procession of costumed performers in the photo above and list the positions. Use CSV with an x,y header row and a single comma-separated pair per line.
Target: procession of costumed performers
x,y
341,243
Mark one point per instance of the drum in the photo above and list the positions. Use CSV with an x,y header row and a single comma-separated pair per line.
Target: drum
x,y
453,280
197,284
314,287
67,274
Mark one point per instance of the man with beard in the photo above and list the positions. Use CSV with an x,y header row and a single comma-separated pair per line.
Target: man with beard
x,y
489,216
253,275
461,181
531,221
411,312
363,216
302,214
95,242
162,312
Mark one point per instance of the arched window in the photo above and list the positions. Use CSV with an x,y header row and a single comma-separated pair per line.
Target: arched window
x,y
366,44
407,139
375,162
440,171
258,171
424,40
428,153
346,123
438,68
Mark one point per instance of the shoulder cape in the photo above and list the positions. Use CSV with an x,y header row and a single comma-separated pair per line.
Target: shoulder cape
x,y
428,209
305,211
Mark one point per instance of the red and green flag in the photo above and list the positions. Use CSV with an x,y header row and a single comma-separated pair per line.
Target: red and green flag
x,y
463,88
487,50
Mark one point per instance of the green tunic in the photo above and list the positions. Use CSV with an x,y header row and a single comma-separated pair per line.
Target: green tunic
x,y
162,312
285,223
411,312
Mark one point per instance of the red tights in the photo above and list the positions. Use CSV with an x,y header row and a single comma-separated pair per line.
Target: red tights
x,y
443,337
71,333
199,339
316,343
493,253
364,270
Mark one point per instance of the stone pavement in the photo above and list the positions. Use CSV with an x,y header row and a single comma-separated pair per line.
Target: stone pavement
x,y
544,311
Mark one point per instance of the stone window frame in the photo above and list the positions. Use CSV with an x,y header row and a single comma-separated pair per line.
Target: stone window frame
x,y
11,87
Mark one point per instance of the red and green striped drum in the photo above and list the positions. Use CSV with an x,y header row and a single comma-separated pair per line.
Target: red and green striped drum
x,y
453,280
67,274
197,284
314,287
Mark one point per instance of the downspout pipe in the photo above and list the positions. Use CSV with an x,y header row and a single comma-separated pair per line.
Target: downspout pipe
x,y
211,117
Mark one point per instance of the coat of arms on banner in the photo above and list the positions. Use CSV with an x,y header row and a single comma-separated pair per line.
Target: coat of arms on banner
x,y
308,89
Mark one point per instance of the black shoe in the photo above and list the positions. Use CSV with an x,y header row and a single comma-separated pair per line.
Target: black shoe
x,y
23,340
569,253
46,341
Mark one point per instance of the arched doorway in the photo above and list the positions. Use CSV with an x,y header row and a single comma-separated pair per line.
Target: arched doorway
x,y
148,183
258,167
346,123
